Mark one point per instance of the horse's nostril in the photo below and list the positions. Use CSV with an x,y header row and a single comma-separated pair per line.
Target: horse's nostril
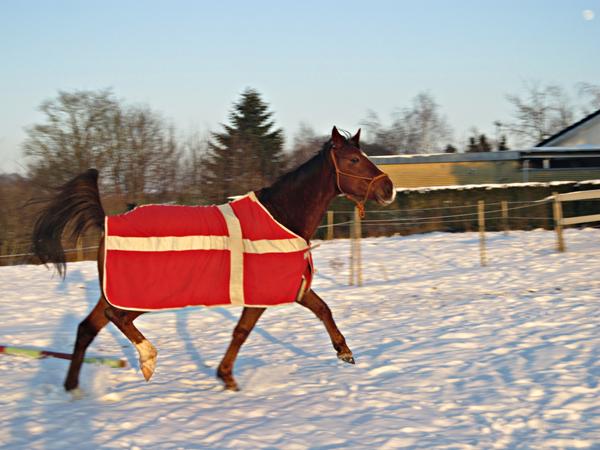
x,y
388,190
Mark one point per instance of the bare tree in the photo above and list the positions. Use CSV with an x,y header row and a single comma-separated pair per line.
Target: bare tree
x,y
73,136
306,144
132,145
194,150
427,129
15,193
539,113
149,155
420,128
591,95
385,140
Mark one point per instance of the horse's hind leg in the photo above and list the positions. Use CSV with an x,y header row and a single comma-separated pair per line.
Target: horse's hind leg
x,y
245,325
313,302
124,322
86,332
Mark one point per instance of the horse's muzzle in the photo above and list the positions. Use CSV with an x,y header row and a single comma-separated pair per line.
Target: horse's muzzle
x,y
385,193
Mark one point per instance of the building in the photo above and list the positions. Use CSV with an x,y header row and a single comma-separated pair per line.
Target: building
x,y
586,132
573,154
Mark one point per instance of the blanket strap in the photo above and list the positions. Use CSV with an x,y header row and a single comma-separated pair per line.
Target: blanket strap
x,y
236,250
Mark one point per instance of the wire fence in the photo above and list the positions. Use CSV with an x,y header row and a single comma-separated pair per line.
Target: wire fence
x,y
402,222
385,221
68,250
406,217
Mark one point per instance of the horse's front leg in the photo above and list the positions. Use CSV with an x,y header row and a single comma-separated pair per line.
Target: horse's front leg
x,y
245,325
316,304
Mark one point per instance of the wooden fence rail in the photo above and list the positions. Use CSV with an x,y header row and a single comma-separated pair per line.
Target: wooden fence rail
x,y
560,221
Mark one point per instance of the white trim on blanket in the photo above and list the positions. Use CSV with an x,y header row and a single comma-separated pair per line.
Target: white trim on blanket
x,y
275,246
166,243
186,243
236,251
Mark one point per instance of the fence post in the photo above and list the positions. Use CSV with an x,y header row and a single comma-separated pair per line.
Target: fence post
x,y
351,268
504,207
329,234
558,216
481,221
358,236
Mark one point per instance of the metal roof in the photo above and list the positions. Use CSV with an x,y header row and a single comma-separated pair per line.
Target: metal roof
x,y
508,155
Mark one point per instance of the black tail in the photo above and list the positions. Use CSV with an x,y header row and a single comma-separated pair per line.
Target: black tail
x,y
76,206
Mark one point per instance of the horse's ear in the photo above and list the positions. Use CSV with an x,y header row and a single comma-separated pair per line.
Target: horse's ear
x,y
336,138
356,138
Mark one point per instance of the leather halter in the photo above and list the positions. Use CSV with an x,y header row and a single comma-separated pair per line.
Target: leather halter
x,y
360,204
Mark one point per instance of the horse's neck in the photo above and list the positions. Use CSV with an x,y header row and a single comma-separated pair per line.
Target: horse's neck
x,y
300,205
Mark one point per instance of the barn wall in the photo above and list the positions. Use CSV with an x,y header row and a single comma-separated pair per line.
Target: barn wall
x,y
453,173
425,174
542,175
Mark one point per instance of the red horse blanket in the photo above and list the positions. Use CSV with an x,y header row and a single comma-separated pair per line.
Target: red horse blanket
x,y
164,257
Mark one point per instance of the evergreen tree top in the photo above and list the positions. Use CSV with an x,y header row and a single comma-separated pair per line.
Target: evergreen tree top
x,y
247,153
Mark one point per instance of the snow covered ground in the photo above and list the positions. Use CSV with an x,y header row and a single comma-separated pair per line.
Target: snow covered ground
x,y
449,355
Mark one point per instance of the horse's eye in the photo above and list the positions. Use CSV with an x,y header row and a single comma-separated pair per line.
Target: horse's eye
x,y
354,160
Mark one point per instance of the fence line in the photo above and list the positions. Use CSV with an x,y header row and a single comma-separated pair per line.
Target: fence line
x,y
433,219
391,211
388,211
69,250
408,222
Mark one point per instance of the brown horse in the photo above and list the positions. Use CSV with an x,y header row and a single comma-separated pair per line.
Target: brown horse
x,y
298,200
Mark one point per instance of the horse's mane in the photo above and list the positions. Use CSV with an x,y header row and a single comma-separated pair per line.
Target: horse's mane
x,y
305,169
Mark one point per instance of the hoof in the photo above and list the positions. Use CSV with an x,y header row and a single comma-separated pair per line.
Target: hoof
x,y
148,369
76,394
346,357
233,387
229,383
147,358
70,386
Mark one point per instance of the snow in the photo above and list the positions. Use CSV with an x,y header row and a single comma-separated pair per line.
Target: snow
x,y
449,355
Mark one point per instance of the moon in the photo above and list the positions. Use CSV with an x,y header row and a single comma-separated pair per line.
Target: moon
x,y
587,14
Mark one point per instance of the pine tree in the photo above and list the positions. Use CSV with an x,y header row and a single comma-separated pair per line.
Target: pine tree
x,y
247,154
450,149
478,144
484,145
472,146
502,145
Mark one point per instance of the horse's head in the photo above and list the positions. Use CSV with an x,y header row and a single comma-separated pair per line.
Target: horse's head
x,y
356,176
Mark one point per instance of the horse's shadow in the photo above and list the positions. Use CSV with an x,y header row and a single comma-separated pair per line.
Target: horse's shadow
x,y
182,323
46,391
265,334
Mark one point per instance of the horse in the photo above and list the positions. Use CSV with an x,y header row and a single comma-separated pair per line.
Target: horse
x,y
298,200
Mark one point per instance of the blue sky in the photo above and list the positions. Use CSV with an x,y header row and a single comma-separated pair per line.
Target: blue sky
x,y
322,62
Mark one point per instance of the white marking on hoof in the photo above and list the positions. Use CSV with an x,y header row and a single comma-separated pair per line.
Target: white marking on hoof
x,y
147,358
346,357
76,394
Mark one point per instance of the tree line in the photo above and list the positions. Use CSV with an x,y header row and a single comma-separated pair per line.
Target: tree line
x,y
538,111
143,159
